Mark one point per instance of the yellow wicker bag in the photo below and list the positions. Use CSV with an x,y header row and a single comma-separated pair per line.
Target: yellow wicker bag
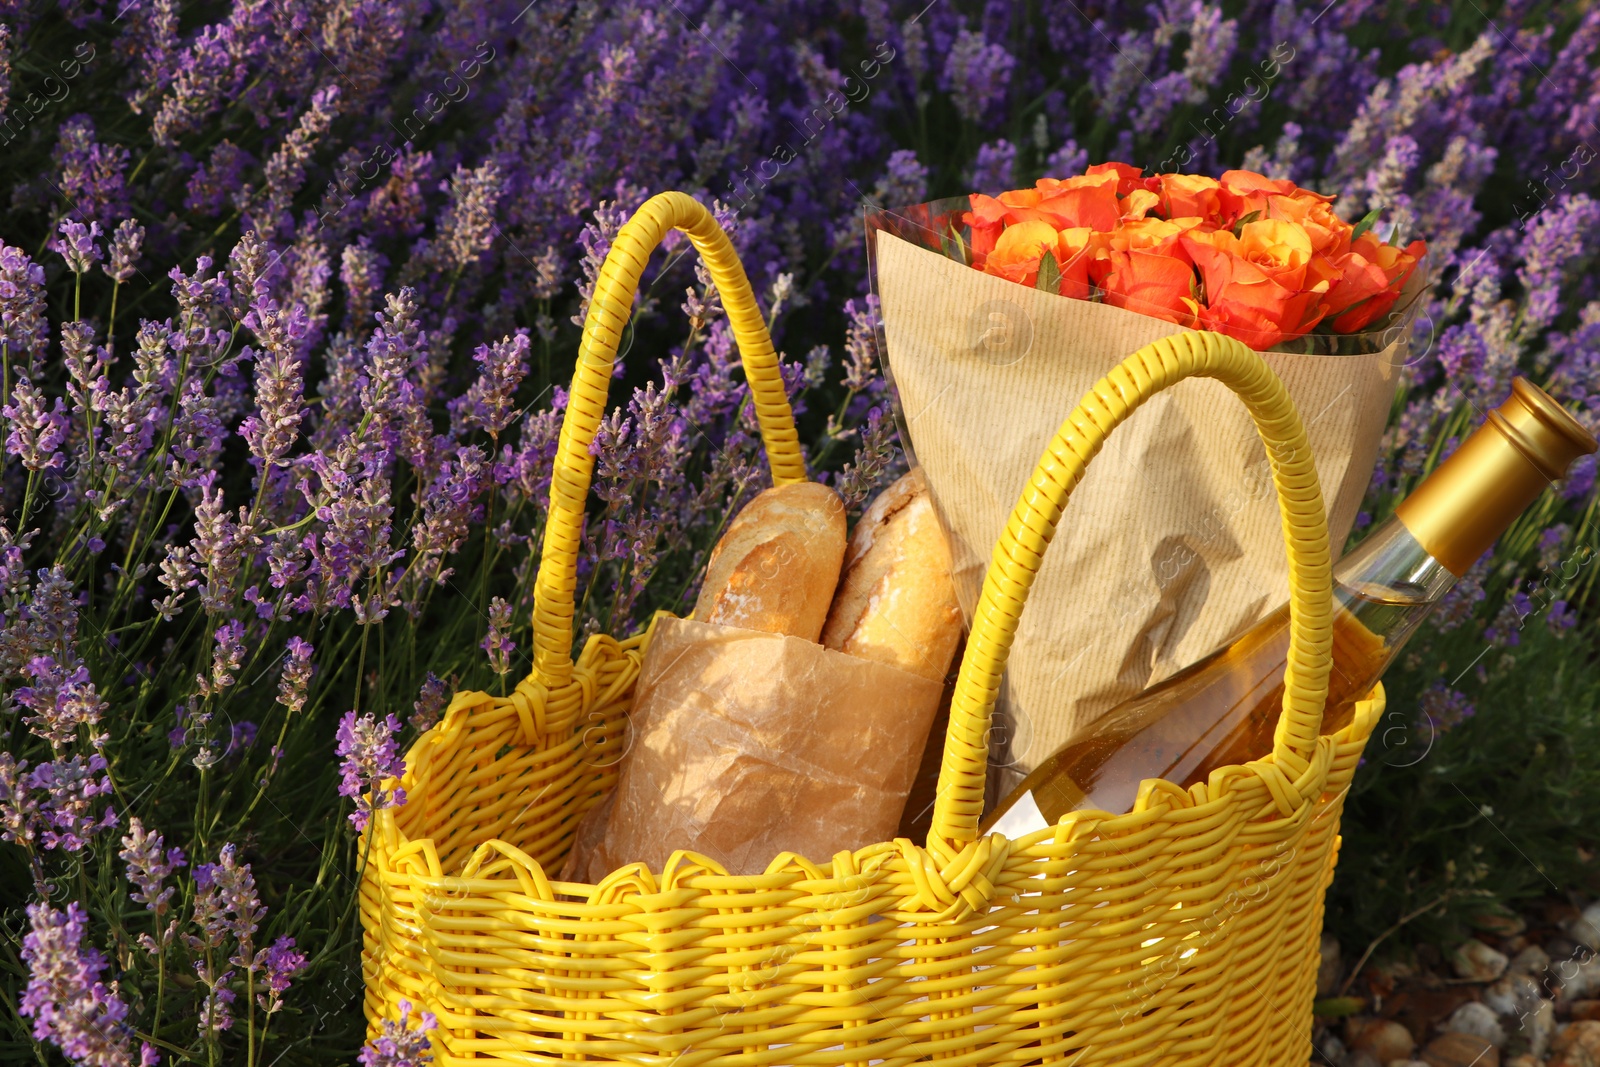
x,y
1183,932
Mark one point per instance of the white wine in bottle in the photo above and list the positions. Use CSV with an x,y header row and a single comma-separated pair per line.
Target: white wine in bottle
x,y
1223,710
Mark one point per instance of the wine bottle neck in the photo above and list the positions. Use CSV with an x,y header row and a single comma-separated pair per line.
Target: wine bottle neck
x,y
1390,583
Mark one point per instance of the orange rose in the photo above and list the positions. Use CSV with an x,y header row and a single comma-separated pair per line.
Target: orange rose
x,y
1395,264
1087,201
1255,284
1075,251
1138,204
987,219
1159,235
1151,283
1129,178
1330,235
1191,195
1017,253
1244,191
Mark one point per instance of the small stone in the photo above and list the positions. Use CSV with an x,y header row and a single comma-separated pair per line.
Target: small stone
x,y
1540,1026
1362,1059
1513,994
1478,1020
1532,960
1584,1010
1383,1039
1478,962
1578,1045
1328,973
1524,1060
1585,929
1578,978
1331,1049
1460,1050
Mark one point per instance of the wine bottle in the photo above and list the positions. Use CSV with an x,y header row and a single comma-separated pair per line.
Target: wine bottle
x,y
1223,709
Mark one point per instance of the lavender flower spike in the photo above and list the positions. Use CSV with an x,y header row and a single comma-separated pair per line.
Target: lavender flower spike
x,y
279,964
431,702
37,432
23,329
297,671
398,1045
125,245
148,869
497,643
77,245
369,757
69,1005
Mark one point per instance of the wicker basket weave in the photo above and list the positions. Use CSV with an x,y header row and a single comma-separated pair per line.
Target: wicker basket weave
x,y
1183,932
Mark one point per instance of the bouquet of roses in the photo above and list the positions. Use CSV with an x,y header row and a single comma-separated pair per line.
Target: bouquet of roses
x,y
1255,258
1175,546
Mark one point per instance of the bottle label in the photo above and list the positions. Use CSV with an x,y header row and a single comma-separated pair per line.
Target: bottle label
x,y
1023,817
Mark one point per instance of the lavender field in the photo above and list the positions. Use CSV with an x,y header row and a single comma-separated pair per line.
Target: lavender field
x,y
289,294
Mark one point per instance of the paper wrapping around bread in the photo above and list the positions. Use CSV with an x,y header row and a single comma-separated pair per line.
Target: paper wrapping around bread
x,y
1172,543
896,603
775,568
745,745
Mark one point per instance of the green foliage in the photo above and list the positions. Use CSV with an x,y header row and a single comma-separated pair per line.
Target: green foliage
x,y
1497,810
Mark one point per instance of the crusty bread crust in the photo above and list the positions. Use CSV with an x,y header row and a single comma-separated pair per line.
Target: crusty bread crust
x,y
896,603
777,564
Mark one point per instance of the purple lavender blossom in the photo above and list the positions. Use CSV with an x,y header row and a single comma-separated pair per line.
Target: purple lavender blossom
x,y
149,867
279,965
126,243
23,330
488,402
37,432
1506,629
398,1045
497,642
431,702
272,428
449,504
68,788
89,173
78,246
70,1006
369,756
62,699
993,168
225,906
20,819
296,676
976,74
468,225
225,660
1445,707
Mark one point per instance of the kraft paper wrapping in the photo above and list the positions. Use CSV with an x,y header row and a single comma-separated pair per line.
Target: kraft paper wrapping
x,y
745,745
1171,544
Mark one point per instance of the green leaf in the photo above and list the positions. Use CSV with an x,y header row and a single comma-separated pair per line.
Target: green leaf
x,y
1049,274
1366,223
1245,220
1334,1007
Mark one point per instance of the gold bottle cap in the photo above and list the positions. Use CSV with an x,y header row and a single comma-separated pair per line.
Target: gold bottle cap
x,y
1523,447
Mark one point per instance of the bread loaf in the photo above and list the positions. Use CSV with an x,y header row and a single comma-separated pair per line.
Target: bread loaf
x,y
776,566
896,603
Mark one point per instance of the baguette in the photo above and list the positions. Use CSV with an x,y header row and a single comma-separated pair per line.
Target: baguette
x,y
776,567
896,603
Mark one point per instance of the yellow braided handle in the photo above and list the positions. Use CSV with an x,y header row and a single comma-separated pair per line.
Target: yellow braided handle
x,y
609,311
1021,549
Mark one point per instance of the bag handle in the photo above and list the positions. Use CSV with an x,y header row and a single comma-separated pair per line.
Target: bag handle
x,y
1021,547
609,311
